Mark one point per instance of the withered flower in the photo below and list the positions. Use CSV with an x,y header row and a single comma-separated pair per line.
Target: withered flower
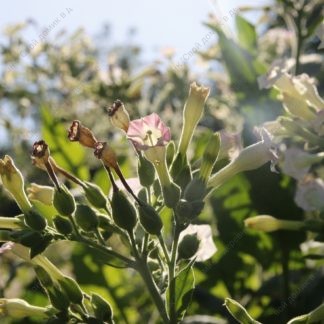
x,y
118,115
81,134
41,159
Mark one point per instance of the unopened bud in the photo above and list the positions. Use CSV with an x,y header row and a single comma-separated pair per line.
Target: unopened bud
x,y
171,195
239,312
150,219
43,276
63,225
34,220
195,190
188,246
266,223
58,298
187,211
192,113
71,289
13,181
210,156
81,134
64,201
15,308
123,211
86,218
101,308
118,115
95,195
106,154
146,171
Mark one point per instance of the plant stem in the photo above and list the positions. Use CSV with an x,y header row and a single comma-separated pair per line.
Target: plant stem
x,y
172,286
165,251
147,278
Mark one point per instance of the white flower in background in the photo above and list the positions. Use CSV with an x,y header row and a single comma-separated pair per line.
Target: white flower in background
x,y
297,163
231,144
298,92
310,194
207,246
318,123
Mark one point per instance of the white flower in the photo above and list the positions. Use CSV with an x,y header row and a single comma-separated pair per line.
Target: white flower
x,y
296,163
207,246
310,194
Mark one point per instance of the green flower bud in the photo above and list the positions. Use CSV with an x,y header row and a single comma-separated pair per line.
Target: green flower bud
x,y
58,298
239,312
171,195
63,201
266,223
150,219
43,276
72,290
30,239
188,246
195,190
13,181
95,195
101,308
180,171
210,157
142,195
63,225
187,211
123,211
192,112
34,220
15,308
146,171
86,218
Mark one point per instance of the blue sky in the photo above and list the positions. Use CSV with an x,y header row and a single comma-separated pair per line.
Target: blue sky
x,y
176,23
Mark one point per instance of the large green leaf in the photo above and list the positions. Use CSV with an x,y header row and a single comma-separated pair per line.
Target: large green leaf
x,y
246,34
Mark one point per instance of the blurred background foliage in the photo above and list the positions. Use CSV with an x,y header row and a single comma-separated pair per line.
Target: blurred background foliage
x,y
71,77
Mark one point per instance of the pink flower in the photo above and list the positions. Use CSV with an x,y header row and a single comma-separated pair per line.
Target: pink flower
x,y
6,247
148,132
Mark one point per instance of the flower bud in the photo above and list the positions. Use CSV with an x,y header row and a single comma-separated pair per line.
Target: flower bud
x,y
195,190
315,316
44,194
209,157
123,211
266,223
63,201
81,134
118,115
192,113
188,246
171,195
101,308
71,289
146,171
187,211
86,218
34,220
58,298
150,219
239,312
95,195
13,181
106,154
43,276
11,223
15,308
63,225
30,239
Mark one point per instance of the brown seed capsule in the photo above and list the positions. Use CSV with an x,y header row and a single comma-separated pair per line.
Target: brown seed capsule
x,y
81,134
40,154
105,153
118,115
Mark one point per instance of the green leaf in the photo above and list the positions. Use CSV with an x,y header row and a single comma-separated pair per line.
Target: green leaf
x,y
246,34
184,287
